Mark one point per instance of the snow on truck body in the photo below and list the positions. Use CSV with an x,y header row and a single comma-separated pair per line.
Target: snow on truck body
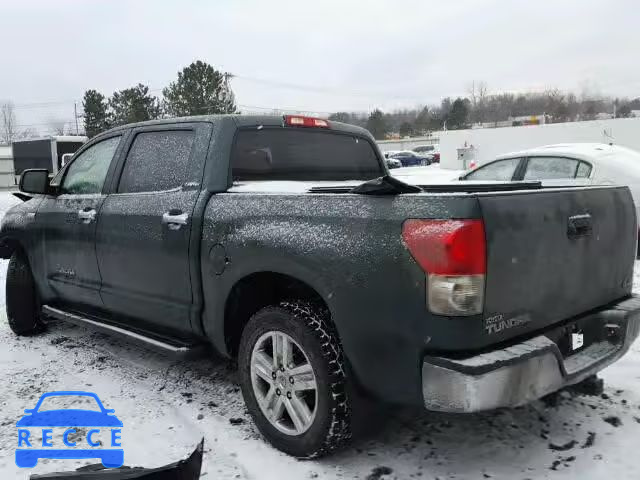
x,y
282,241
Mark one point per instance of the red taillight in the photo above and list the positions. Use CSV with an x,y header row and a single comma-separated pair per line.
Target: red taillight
x,y
447,247
299,121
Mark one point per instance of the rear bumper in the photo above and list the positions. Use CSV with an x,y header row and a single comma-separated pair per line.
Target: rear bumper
x,y
526,371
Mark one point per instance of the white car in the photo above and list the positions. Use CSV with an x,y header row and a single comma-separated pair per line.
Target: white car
x,y
583,163
390,153
393,163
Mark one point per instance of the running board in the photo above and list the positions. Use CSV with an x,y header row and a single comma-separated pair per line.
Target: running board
x,y
179,349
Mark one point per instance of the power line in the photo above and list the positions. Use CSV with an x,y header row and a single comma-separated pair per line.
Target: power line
x,y
20,106
318,89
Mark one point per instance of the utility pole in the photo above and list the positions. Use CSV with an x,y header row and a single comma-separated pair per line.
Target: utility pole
x,y
75,115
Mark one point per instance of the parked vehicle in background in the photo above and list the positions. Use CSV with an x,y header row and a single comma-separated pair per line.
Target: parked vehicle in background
x,y
66,158
46,152
588,163
409,158
430,150
274,239
393,163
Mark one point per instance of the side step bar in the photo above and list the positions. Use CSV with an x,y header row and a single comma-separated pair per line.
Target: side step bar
x,y
179,349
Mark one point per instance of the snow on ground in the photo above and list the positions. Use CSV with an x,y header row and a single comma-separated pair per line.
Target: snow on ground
x,y
167,406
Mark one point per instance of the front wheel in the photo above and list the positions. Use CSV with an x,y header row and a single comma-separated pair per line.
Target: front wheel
x,y
293,379
23,313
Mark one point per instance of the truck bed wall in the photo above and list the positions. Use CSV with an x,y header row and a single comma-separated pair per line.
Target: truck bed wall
x,y
349,249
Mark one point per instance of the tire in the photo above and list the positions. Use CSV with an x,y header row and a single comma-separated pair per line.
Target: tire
x,y
23,306
308,327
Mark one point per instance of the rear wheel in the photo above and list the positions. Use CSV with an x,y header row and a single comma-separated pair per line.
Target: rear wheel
x,y
23,312
293,379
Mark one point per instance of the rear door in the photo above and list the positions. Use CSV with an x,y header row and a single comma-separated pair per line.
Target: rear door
x,y
146,222
555,253
68,221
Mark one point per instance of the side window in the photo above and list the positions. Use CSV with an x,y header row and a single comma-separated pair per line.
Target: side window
x,y
157,161
87,172
547,168
502,171
584,170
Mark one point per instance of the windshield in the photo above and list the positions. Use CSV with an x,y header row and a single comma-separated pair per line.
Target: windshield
x,y
64,402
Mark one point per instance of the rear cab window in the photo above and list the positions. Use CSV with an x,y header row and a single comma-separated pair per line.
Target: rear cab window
x,y
307,155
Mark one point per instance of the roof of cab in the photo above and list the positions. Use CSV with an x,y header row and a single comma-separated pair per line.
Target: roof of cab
x,y
241,121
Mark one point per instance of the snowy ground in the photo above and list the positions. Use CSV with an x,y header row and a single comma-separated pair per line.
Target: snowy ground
x,y
167,406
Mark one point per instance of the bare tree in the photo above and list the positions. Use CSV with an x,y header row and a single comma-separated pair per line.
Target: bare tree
x,y
556,105
7,122
26,134
478,93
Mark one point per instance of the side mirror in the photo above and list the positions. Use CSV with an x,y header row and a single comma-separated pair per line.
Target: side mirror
x,y
29,410
35,181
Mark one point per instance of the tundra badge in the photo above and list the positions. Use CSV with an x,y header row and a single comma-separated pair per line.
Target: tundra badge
x,y
497,323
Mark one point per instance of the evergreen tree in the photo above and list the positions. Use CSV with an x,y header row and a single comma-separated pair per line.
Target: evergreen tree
x,y
96,117
200,89
133,105
459,113
377,125
423,120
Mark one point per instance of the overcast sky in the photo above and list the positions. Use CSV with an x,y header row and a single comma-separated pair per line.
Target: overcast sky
x,y
320,56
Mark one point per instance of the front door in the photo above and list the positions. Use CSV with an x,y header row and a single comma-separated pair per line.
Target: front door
x,y
145,226
68,221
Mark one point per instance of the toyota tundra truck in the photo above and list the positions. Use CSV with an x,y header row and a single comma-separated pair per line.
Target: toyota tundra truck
x,y
283,243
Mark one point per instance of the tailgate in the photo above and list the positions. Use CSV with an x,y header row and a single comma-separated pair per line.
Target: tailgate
x,y
553,254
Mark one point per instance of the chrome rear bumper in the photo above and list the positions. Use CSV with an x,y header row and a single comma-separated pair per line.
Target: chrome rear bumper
x,y
526,371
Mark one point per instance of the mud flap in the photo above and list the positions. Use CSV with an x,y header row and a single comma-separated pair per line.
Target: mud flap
x,y
187,469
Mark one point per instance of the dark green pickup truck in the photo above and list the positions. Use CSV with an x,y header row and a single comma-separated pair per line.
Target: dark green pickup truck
x,y
283,242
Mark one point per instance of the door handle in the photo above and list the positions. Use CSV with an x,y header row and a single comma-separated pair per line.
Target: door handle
x,y
174,220
579,226
87,216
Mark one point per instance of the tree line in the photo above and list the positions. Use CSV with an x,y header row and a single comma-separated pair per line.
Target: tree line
x,y
199,89
481,108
